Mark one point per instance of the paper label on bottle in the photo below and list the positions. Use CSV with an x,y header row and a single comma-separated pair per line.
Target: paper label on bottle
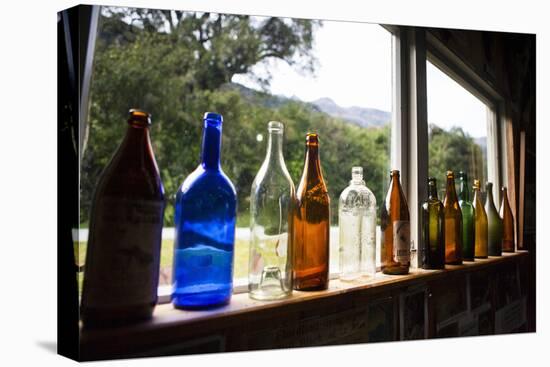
x,y
401,241
124,254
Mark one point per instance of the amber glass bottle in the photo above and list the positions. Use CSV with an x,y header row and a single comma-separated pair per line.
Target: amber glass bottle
x,y
494,222
311,224
432,240
453,223
122,260
395,229
508,244
480,220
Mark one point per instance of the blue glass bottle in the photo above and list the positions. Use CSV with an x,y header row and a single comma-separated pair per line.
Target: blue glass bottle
x,y
205,228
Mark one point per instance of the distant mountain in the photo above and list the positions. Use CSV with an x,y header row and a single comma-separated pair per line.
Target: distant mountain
x,y
364,117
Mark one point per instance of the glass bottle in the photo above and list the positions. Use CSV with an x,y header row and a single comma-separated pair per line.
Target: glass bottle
x,y
123,255
508,239
311,224
395,230
494,223
205,228
467,209
357,227
271,198
480,220
453,223
433,230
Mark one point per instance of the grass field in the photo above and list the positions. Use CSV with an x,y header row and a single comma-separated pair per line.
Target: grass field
x,y
240,268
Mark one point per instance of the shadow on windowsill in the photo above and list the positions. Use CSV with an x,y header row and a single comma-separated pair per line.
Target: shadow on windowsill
x,y
49,345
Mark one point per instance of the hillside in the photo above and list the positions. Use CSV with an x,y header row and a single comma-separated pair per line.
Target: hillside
x,y
361,116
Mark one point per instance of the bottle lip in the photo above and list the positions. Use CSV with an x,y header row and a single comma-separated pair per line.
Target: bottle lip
x,y
141,117
450,173
275,127
489,184
476,184
432,180
462,174
213,119
312,139
394,172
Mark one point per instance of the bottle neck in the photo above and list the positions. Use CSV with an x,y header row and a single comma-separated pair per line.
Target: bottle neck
x,y
138,138
432,192
490,196
274,154
211,145
464,193
357,181
505,197
313,164
450,192
395,185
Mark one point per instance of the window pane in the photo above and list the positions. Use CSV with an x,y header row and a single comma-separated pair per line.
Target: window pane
x,y
458,124
251,70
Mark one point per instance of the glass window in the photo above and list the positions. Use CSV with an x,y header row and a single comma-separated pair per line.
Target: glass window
x,y
458,124
177,65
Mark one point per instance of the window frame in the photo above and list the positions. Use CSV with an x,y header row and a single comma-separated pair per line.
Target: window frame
x,y
450,64
412,47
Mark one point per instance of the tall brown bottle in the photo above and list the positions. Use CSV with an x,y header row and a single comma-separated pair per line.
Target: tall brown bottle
x,y
453,223
395,229
311,224
508,242
123,255
481,226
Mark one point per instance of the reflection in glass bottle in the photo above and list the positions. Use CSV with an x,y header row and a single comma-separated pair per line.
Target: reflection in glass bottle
x,y
432,237
311,224
481,228
467,209
508,239
123,255
357,222
205,228
495,223
271,198
395,228
453,223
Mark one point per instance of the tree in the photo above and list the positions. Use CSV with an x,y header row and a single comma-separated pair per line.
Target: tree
x,y
457,151
173,64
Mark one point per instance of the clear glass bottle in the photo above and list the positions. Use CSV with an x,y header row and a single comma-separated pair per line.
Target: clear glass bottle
x,y
206,210
395,229
123,255
432,237
271,198
311,224
357,224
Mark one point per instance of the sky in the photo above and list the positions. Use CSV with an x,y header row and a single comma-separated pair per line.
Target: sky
x,y
354,69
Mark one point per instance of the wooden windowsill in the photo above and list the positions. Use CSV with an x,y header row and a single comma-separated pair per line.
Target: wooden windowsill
x,y
169,324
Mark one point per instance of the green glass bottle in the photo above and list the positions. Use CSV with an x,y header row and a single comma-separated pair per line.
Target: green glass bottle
x,y
494,223
432,239
468,228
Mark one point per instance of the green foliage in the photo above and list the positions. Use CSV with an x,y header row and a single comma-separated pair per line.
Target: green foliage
x,y
179,68
457,151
